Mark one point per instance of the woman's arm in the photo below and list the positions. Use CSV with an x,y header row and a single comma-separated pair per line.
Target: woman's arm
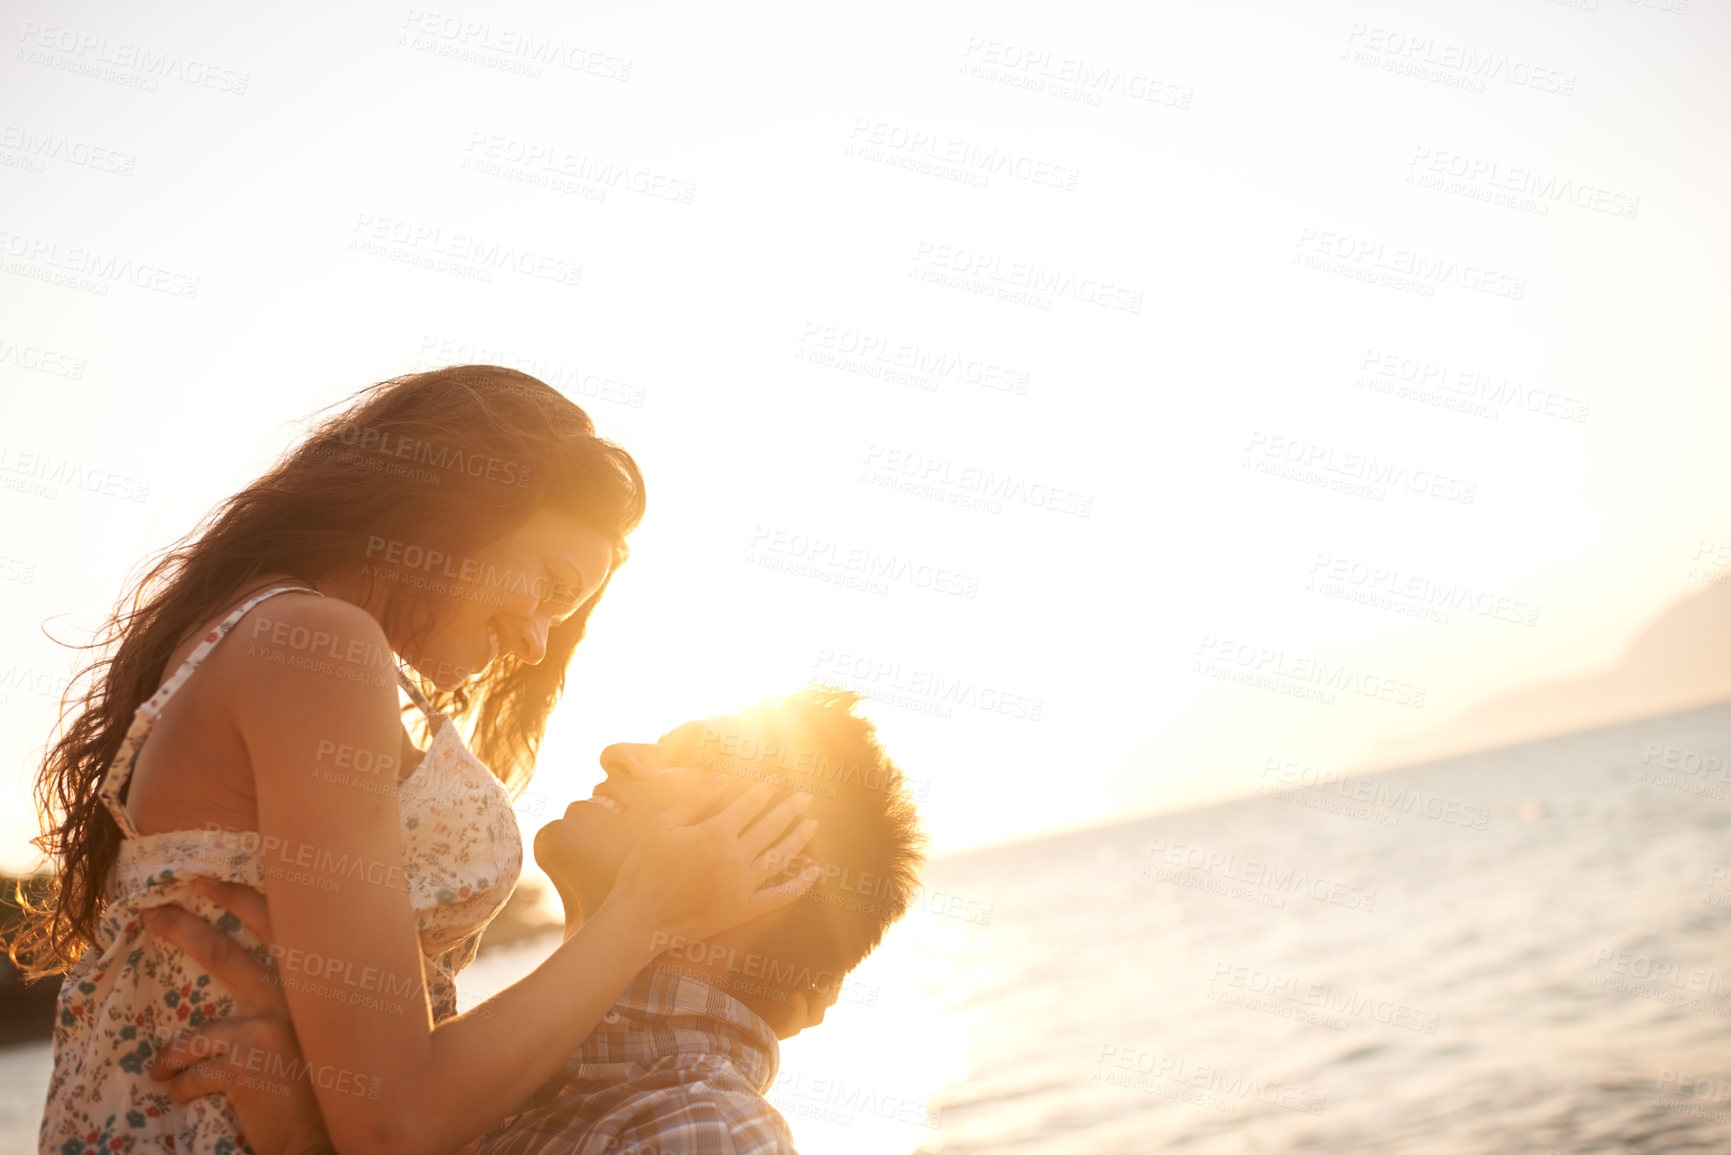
x,y
253,1056
343,923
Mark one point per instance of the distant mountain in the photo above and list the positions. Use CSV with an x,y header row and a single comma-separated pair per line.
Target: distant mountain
x,y
1681,659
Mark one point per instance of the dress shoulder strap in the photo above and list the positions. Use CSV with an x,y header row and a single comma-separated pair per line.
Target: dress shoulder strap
x,y
415,695
145,716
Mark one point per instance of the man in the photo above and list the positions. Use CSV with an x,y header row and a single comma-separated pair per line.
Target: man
x,y
683,1061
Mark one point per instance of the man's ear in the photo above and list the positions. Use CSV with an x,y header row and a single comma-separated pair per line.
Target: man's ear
x,y
803,1009
785,1019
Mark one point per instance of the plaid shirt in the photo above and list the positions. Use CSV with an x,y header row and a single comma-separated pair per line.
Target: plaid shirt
x,y
677,1068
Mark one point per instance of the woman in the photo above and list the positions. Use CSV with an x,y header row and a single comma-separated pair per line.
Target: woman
x,y
464,521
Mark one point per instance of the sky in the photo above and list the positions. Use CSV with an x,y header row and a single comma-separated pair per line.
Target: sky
x,y
1195,386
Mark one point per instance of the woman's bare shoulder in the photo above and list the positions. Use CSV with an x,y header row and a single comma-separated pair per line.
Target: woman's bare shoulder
x,y
290,639
300,591
284,613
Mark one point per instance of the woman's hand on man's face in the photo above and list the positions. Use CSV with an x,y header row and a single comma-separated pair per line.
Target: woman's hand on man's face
x,y
692,879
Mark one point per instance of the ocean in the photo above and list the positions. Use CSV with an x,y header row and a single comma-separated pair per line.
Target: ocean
x,y
1527,950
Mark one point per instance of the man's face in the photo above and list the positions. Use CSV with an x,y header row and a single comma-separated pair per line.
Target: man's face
x,y
581,852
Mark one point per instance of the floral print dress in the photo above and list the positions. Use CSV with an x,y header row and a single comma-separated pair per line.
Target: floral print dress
x,y
131,994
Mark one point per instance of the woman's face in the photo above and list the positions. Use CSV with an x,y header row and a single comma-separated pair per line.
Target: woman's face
x,y
504,599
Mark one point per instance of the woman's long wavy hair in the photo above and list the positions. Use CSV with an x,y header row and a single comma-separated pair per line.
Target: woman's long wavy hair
x,y
452,459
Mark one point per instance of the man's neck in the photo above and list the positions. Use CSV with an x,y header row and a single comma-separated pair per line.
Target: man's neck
x,y
660,1016
735,972
729,966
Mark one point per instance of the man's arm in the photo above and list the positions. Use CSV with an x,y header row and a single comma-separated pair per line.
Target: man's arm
x,y
278,1112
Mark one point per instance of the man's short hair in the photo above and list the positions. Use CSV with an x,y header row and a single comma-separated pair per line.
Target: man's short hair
x,y
868,840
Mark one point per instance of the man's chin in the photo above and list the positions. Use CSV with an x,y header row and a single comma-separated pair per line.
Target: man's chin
x,y
581,897
560,852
